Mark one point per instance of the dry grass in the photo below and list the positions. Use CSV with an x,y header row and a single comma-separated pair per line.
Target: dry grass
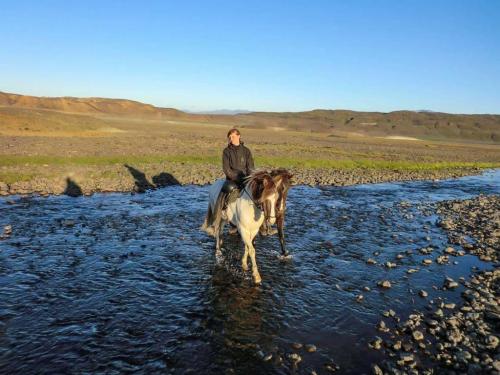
x,y
41,144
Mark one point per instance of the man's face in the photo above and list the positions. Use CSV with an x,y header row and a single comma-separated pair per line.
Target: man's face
x,y
234,138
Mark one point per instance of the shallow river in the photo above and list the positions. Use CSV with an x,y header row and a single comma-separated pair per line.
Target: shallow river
x,y
118,283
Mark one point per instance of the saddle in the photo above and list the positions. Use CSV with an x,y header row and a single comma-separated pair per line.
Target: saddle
x,y
229,193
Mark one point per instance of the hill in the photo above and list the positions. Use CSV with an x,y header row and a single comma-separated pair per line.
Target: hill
x,y
338,123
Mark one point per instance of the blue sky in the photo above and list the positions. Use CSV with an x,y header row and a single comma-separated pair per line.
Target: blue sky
x,y
260,55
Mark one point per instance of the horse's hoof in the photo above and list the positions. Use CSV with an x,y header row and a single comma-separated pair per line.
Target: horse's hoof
x,y
244,268
218,256
286,257
257,280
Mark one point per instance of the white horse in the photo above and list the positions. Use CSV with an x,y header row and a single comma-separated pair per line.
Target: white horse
x,y
257,203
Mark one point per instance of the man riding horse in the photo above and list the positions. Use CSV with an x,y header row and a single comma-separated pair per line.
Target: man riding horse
x,y
237,164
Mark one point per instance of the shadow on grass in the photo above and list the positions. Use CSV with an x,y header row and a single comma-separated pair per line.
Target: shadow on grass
x,y
72,188
142,184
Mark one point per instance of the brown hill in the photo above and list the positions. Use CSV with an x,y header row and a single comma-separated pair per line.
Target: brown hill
x,y
340,123
87,105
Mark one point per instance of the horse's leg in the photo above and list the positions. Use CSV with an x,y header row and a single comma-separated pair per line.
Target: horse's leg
x,y
255,271
218,234
244,264
247,237
280,223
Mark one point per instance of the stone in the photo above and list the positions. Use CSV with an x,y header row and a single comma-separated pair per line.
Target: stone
x,y
382,327
417,335
491,342
376,344
427,262
423,293
7,230
384,284
310,348
295,358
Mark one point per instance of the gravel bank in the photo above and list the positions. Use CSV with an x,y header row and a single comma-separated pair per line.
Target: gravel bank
x,y
454,338
117,178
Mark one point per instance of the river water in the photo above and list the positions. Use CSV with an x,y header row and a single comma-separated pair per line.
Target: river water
x,y
120,283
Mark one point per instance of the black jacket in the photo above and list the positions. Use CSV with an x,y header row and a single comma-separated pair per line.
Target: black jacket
x,y
237,162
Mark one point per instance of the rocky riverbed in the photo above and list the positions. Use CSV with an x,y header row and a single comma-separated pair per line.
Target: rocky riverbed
x,y
446,337
118,178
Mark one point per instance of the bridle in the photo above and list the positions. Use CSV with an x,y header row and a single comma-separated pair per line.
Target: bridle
x,y
260,206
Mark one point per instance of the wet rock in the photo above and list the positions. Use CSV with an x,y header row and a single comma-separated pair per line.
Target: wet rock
x,y
295,358
412,270
449,283
297,345
376,370
376,344
425,250
390,265
359,298
382,327
7,230
423,293
450,250
268,357
417,335
442,259
427,262
332,367
389,313
310,348
397,345
371,261
491,342
384,284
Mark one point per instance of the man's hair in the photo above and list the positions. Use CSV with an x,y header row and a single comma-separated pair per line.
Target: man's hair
x,y
233,130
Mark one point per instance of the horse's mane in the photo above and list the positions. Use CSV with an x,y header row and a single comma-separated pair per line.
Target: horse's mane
x,y
282,178
263,180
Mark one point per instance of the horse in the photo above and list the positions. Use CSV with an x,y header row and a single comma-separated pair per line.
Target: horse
x,y
262,199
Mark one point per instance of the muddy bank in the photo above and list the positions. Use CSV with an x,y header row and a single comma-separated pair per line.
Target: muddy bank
x,y
86,180
446,337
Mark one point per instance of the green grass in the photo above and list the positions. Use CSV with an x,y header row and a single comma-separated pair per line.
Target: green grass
x,y
368,164
11,177
286,162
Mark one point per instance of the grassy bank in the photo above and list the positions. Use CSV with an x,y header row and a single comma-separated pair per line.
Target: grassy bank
x,y
286,162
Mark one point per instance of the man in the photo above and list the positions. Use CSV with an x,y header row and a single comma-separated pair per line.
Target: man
x,y
237,164
237,160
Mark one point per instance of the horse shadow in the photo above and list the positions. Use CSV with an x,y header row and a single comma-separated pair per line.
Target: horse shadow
x,y
142,184
72,188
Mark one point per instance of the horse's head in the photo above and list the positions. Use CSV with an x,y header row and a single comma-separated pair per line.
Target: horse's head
x,y
282,180
269,199
265,194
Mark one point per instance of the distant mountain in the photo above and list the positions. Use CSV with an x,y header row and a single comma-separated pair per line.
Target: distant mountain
x,y
418,124
224,112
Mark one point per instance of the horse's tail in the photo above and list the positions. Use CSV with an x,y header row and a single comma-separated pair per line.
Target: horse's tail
x,y
213,218
208,224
